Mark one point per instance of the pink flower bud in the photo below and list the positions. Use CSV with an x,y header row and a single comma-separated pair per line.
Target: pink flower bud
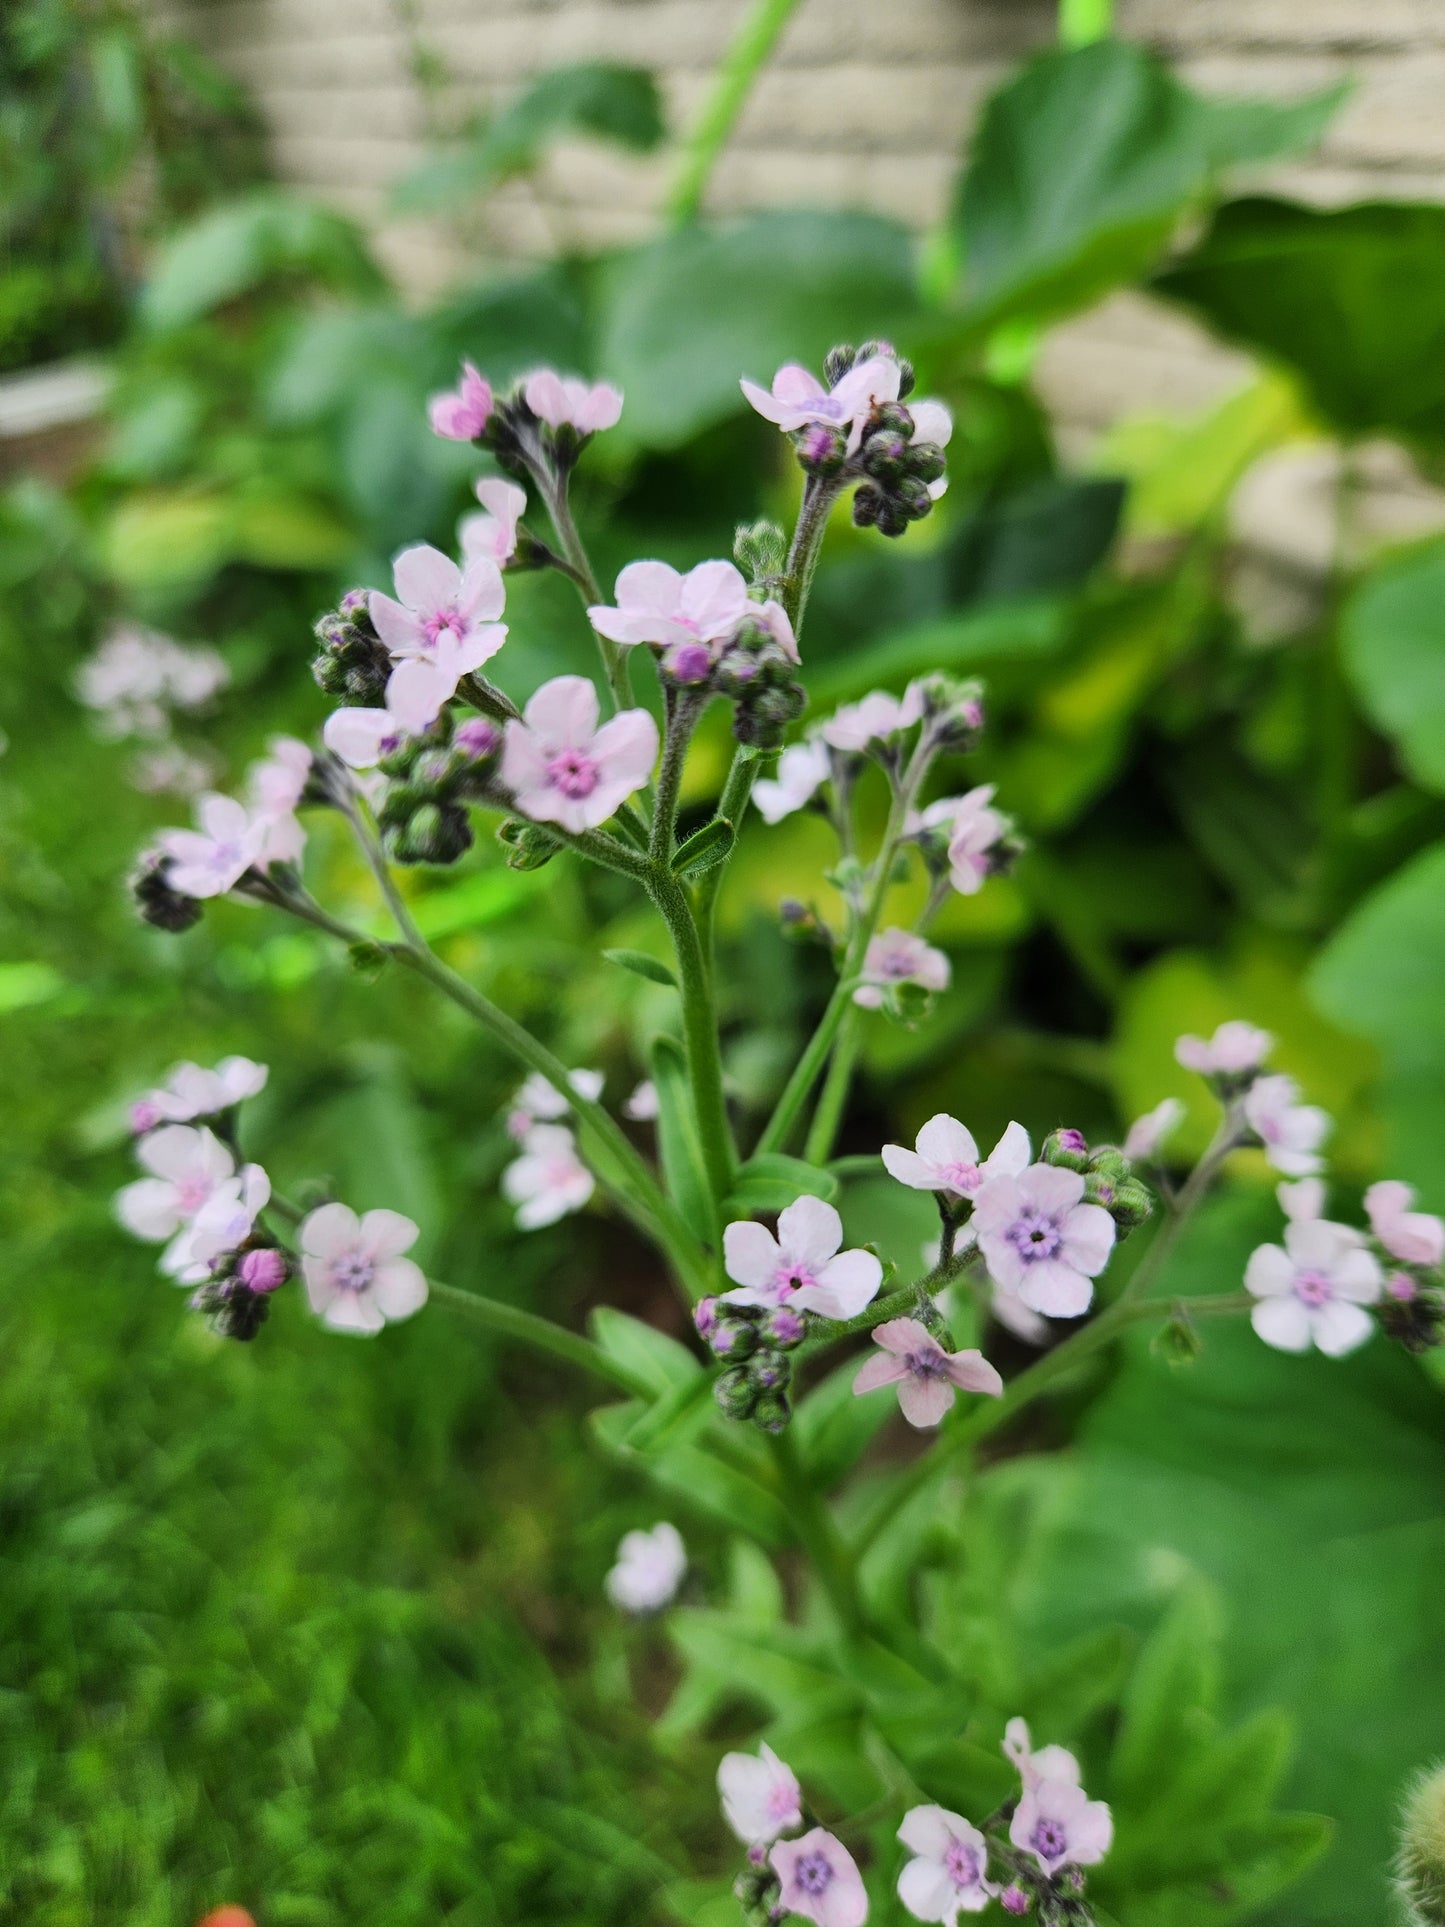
x,y
785,1327
705,1317
144,1116
1014,1900
689,662
477,737
262,1270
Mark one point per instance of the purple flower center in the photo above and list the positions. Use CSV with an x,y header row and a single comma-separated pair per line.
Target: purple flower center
x,y
812,1874
782,1802
896,963
1049,1840
1034,1236
1313,1288
573,772
477,737
192,1192
961,1863
926,1364
225,855
352,1271
1402,1287
443,622
960,1178
791,1275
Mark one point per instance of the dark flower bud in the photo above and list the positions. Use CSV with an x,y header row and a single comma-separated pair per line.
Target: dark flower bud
x,y
822,450
531,844
884,455
763,715
735,1392
230,1309
733,1340
772,1412
769,1370
838,362
158,904
867,502
435,833
927,461
1067,1147
1412,1317
891,417
913,499
705,1316
760,550
353,663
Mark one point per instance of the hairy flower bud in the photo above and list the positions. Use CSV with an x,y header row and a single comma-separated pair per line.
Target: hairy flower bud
x,y
1067,1147
1014,1900
838,362
1420,1867
784,1328
705,1316
735,1392
531,845
353,663
760,550
953,710
733,1340
432,833
158,904
769,1370
1411,1315
772,1413
822,449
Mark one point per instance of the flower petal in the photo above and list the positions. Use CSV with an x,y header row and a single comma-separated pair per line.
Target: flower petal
x,y
809,1232
563,713
925,1400
1283,1323
750,1254
425,579
399,1287
329,1229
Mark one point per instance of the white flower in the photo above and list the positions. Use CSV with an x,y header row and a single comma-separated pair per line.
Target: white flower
x,y
897,956
948,1876
761,1797
974,830
856,726
415,694
276,784
1148,1132
563,769
1291,1132
1060,1825
209,861
947,1159
564,400
802,1267
1414,1237
223,1222
1040,1240
642,1106
926,1375
1314,1290
356,1277
1234,1049
1302,1200
548,1180
540,1102
657,603
649,1569
802,767
820,1880
493,533
798,397
187,1166
1048,1763
137,676
191,1092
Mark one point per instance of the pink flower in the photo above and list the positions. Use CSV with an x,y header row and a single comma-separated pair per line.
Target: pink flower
x,y
416,692
187,1167
820,1880
548,1180
1234,1049
190,1092
564,401
356,1277
1313,1291
949,1875
856,726
802,1267
648,1570
277,782
947,1159
461,414
223,1222
445,615
540,1102
1049,1763
138,675
493,535
563,769
802,767
656,603
761,1797
798,397
1414,1237
923,1371
1148,1132
1040,1240
1291,1132
209,861
897,956
1060,1825
973,829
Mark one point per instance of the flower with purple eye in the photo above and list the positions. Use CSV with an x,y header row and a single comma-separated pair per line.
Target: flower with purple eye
x,y
1314,1290
946,1158
1234,1050
761,1797
802,768
565,401
925,1374
538,1101
974,830
798,398
1413,1237
1045,1763
190,1092
461,414
1060,1825
548,1180
820,1880
948,1875
416,692
802,1268
185,1168
357,1279
562,768
208,861
223,1223
492,531
896,957
1041,1241
691,616
443,614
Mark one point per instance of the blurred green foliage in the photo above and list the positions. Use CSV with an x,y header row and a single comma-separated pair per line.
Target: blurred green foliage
x,y
316,1626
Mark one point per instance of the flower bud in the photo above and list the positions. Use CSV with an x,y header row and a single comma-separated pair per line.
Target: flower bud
x,y
1420,1868
953,707
838,362
822,450
1177,1341
772,1412
735,1392
784,1328
1412,1317
264,1269
531,844
760,550
769,1370
731,1339
891,418
434,833
1014,1900
688,664
884,455
477,738
158,904
705,1317
1066,1147
927,461
231,1310
353,662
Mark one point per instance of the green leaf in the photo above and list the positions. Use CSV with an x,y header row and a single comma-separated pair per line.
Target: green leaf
x,y
771,1181
238,246
704,849
651,1354
682,317
789,1669
834,1428
1352,300
1392,643
594,99
1082,165
1022,630
678,1146
642,965
1174,1679
722,1492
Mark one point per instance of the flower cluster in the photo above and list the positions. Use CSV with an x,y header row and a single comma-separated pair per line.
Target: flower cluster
x,y
138,678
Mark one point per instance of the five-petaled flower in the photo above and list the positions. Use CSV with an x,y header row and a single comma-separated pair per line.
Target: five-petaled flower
x,y
190,1092
565,401
1235,1049
1313,1289
561,768
185,1167
820,1880
797,396
802,768
1290,1132
222,1224
648,1569
357,1279
538,1101
1414,1237
974,830
657,603
1060,1825
491,532
873,719
803,1266
1040,1240
895,957
761,1797
548,1180
416,691
946,1158
1045,1763
443,614
461,413
210,860
949,1874
925,1374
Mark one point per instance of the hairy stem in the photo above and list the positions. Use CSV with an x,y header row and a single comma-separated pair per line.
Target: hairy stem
x,y
740,66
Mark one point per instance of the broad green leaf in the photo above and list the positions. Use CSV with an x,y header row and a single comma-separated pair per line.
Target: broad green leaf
x,y
678,1147
684,316
236,247
772,1181
1083,163
792,1671
1175,1678
718,1490
23,985
1392,643
1353,300
655,1357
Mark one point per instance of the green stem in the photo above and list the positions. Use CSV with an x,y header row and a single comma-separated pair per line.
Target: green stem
x,y
819,1536
829,1115
579,567
544,1335
1084,21
699,1032
682,712
740,66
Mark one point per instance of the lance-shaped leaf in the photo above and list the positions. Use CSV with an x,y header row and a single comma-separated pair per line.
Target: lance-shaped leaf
x,y
704,849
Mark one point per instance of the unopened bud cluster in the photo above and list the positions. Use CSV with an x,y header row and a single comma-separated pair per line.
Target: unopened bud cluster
x,y
431,779
159,905
761,678
753,1345
352,663
236,1299
1108,1176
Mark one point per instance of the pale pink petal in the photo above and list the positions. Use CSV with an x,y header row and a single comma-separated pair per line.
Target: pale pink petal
x,y
547,397
1341,1328
943,1140
750,1254
1270,1272
563,713
931,1831
425,580
398,628
1012,1152
524,764
223,818
796,386
148,1208
1051,1188
387,1234
998,1203
926,1889
1088,1238
602,408
971,1372
878,1371
1055,1289
353,1311
329,1229
481,594
626,747
416,692
932,422
924,1401
714,598
399,1287
907,1167
1357,1276
903,1335
809,1232
764,403
846,1285
1283,1323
